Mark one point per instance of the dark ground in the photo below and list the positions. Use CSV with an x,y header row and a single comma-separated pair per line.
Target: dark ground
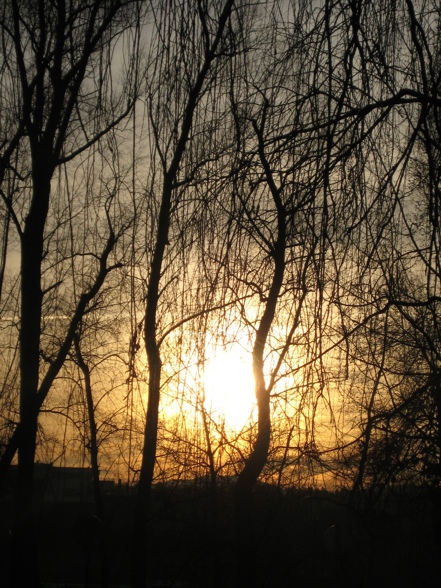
x,y
304,539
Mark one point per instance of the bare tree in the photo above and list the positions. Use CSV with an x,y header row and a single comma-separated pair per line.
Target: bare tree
x,y
58,65
289,198
274,210
172,110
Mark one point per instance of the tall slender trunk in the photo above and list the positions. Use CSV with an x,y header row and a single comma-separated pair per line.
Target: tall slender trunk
x,y
213,533
243,495
436,490
138,550
25,570
93,450
93,441
4,248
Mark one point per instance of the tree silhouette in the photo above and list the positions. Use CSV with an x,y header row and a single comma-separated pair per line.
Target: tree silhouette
x,y
184,176
62,110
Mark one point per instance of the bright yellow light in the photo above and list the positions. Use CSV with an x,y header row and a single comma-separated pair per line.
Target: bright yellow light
x,y
229,386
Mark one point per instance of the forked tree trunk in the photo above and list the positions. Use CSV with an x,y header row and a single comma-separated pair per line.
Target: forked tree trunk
x,y
243,496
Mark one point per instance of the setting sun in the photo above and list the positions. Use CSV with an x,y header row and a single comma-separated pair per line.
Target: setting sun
x,y
229,386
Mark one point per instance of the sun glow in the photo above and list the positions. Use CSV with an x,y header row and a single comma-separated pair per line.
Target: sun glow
x,y
229,386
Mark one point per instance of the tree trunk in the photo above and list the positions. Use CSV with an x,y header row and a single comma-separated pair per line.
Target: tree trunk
x,y
244,511
138,551
243,496
25,570
93,445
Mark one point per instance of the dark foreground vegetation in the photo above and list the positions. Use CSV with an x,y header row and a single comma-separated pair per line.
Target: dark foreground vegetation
x,y
303,538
